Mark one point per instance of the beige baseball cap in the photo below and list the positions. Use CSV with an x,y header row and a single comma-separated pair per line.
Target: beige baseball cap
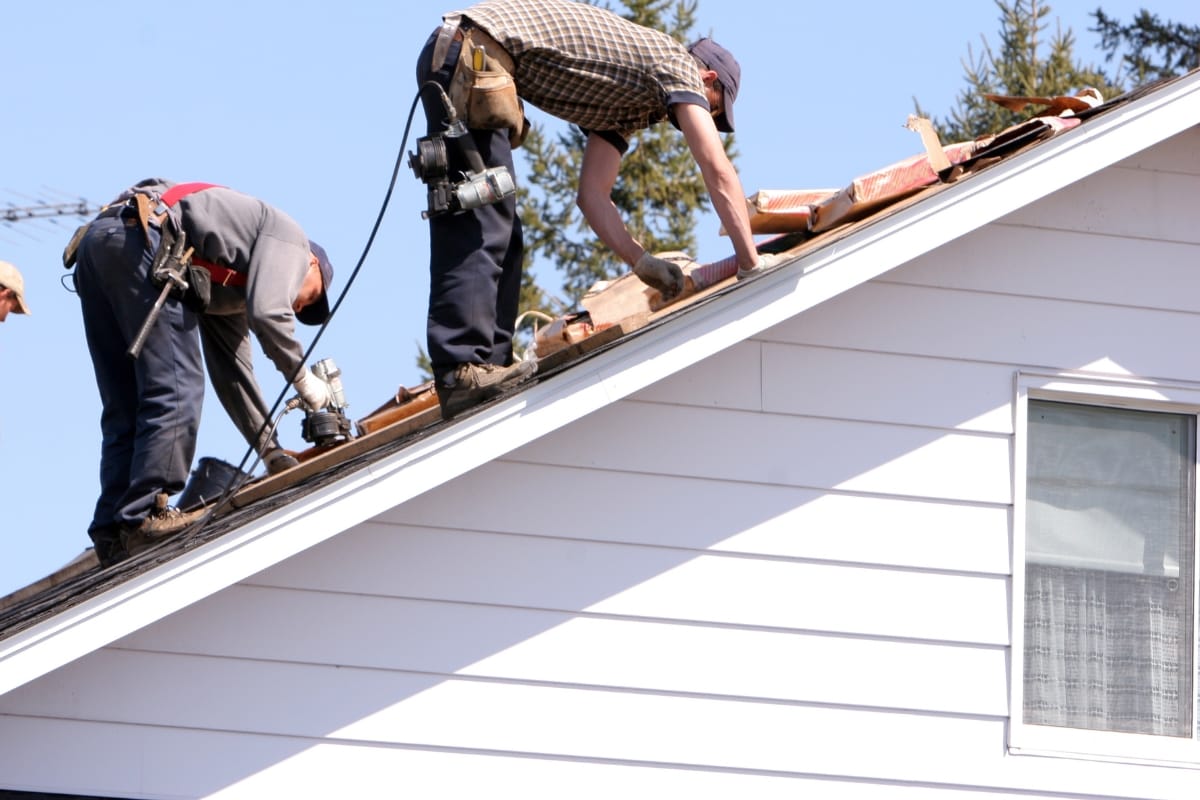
x,y
10,278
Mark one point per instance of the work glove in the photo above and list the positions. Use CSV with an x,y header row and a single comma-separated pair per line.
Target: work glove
x,y
766,263
312,390
660,273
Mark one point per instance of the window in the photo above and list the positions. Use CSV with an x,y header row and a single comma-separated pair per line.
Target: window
x,y
1104,639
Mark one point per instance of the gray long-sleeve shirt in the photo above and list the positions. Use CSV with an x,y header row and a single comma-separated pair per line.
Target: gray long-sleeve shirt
x,y
246,235
249,236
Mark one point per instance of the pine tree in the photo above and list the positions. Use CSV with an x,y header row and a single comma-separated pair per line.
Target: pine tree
x,y
1149,48
1025,64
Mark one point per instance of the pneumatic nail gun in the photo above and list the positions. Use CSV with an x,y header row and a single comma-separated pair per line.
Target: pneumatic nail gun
x,y
329,425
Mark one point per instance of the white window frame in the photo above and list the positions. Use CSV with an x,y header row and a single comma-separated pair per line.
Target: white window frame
x,y
1044,740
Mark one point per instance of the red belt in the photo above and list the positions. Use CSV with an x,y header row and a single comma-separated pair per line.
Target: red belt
x,y
222,276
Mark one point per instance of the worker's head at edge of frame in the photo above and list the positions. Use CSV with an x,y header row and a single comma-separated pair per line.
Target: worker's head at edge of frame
x,y
12,291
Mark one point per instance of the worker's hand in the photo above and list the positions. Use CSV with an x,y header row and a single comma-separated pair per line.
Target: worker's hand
x,y
766,263
660,273
312,390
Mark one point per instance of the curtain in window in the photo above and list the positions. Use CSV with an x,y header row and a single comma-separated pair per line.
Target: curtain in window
x,y
1108,570
1107,651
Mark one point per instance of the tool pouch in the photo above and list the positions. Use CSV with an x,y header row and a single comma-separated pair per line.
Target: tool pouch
x,y
199,291
71,251
173,257
482,89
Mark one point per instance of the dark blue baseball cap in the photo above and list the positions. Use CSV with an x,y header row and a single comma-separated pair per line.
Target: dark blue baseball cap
x,y
729,73
317,312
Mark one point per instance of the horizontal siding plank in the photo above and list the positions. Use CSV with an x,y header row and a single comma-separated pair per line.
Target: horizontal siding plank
x,y
395,708
730,379
1179,154
538,722
818,597
238,692
653,583
846,384
384,633
1067,265
484,570
1022,332
181,763
1144,204
73,757
878,387
741,518
781,450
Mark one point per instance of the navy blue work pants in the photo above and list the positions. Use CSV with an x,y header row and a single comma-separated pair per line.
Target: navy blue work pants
x,y
150,406
476,256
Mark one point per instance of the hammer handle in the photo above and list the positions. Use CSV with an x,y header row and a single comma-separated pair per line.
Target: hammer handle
x,y
139,341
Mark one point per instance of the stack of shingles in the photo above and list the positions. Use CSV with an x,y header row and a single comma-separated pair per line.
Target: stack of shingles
x,y
819,210
813,211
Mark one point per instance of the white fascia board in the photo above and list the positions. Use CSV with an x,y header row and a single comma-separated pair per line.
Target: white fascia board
x,y
675,344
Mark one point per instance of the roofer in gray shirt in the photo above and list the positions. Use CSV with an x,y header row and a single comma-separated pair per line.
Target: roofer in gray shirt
x,y
265,274
612,78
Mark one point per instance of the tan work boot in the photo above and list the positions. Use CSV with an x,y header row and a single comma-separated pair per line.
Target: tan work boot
x,y
160,524
474,383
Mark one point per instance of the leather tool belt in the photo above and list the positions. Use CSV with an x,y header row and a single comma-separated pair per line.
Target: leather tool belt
x,y
482,89
157,216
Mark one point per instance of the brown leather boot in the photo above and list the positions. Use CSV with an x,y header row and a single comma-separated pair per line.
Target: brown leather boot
x,y
474,383
160,524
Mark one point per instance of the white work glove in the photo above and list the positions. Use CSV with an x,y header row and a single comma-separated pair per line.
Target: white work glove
x,y
312,390
660,273
766,263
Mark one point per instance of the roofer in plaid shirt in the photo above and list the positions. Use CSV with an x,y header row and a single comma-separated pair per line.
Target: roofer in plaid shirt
x,y
612,78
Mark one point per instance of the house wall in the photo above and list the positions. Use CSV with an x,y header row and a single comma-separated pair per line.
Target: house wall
x,y
783,572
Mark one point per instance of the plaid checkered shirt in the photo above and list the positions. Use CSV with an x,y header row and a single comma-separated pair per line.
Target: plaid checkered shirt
x,y
588,66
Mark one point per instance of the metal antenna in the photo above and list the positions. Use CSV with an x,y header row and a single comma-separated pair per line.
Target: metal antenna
x,y
41,217
79,208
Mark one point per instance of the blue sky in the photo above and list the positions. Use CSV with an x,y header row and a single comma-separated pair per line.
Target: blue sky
x,y
304,104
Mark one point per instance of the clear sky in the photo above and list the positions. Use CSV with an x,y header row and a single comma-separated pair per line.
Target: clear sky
x,y
304,103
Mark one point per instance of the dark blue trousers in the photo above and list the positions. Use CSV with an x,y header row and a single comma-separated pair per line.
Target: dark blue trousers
x,y
150,406
476,256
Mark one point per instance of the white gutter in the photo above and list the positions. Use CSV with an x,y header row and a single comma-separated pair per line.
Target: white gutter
x,y
676,344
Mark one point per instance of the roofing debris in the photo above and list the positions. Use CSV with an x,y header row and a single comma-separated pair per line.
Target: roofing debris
x,y
799,220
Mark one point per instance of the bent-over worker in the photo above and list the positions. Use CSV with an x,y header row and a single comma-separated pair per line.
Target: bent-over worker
x,y
265,275
612,78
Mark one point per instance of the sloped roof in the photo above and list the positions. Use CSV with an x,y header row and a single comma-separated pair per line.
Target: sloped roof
x,y
87,609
